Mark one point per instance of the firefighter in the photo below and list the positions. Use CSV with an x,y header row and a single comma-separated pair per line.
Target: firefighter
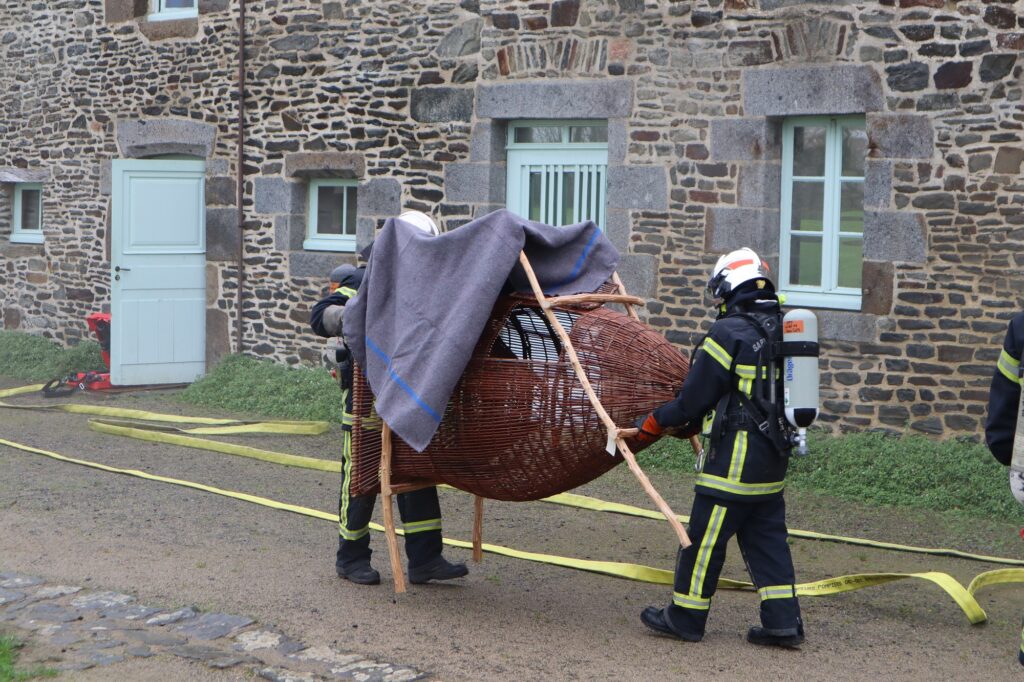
x,y
739,485
419,510
1004,406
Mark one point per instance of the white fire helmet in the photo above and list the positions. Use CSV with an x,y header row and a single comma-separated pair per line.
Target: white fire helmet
x,y
736,268
422,221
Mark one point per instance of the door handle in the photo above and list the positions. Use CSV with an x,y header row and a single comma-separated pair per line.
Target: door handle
x,y
120,269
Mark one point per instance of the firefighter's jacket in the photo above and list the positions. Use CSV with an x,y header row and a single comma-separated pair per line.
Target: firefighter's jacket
x,y
743,464
1004,396
325,319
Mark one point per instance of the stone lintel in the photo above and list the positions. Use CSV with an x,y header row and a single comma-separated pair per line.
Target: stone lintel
x,y
140,138
550,98
797,90
21,175
344,165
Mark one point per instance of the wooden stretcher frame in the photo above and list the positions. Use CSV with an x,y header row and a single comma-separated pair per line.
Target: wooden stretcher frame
x,y
615,434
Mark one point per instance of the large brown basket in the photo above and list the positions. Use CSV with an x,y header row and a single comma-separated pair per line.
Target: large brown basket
x,y
519,425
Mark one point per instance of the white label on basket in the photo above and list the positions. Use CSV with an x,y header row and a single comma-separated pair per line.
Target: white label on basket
x,y
610,445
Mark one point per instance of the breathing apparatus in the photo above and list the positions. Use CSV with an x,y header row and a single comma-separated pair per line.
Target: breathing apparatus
x,y
793,352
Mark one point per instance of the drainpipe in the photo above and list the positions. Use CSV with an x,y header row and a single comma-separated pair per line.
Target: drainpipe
x,y
240,174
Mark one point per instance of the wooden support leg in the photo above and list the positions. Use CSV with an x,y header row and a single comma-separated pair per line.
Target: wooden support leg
x,y
478,529
614,433
389,517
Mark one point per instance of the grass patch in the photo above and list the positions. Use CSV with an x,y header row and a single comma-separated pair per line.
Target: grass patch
x,y
33,358
9,656
245,384
911,471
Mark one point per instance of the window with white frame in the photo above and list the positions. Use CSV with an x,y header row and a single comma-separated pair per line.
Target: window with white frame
x,y
27,220
331,218
161,10
558,170
822,217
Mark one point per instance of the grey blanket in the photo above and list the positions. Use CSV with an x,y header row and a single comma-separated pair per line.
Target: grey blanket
x,y
424,302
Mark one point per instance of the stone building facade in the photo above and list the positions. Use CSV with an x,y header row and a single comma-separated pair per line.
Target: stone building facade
x,y
412,100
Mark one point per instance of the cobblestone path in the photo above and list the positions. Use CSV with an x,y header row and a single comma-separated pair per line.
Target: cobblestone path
x,y
95,629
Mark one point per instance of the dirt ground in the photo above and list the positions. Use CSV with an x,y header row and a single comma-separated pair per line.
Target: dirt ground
x,y
509,619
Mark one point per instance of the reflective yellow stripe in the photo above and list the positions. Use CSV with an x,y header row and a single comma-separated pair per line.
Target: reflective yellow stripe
x,y
718,353
346,472
707,544
750,371
691,601
345,291
739,456
746,386
1022,641
1009,366
737,488
777,592
355,534
421,526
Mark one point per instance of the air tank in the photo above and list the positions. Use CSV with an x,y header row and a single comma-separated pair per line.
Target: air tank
x,y
800,372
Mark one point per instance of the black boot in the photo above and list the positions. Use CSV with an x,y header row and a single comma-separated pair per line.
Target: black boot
x,y
788,639
360,573
657,620
438,568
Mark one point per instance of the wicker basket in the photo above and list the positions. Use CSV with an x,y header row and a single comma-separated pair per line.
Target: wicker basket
x,y
518,425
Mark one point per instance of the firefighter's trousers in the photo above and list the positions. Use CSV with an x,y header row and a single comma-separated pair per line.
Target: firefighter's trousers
x,y
419,511
760,529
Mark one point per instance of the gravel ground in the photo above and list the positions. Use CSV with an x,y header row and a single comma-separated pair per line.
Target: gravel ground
x,y
172,546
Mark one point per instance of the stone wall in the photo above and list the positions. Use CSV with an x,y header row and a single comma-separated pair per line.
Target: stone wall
x,y
411,99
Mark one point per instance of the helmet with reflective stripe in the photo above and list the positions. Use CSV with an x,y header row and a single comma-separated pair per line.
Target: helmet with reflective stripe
x,y
735,269
422,221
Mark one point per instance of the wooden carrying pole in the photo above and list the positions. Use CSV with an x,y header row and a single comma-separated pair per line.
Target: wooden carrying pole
x,y
478,528
389,517
614,433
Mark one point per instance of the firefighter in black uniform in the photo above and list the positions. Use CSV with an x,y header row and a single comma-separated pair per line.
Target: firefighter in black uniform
x,y
739,486
419,510
1004,406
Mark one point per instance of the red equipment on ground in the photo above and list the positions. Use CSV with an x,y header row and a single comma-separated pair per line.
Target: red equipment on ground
x,y
99,324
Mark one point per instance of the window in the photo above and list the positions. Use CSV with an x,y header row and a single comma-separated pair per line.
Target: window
x,y
331,222
822,230
28,213
173,9
558,170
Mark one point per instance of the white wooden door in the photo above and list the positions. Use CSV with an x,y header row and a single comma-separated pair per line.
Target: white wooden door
x,y
158,272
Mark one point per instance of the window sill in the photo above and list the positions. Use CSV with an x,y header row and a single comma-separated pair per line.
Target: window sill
x,y
827,301
346,245
169,27
25,238
173,16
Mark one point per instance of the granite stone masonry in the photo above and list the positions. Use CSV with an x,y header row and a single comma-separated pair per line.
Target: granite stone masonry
x,y
101,629
411,101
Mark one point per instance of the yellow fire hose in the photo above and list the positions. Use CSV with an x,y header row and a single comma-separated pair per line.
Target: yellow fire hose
x,y
964,597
